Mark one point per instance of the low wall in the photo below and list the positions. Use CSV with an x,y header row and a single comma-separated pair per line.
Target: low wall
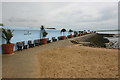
x,y
30,34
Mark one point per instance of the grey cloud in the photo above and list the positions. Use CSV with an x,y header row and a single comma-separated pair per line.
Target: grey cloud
x,y
67,15
12,19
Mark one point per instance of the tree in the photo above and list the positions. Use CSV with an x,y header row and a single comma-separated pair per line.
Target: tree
x,y
75,32
79,32
1,25
43,32
63,30
70,31
7,35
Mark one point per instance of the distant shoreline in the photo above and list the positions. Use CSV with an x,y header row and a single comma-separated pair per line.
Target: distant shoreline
x,y
106,30
109,32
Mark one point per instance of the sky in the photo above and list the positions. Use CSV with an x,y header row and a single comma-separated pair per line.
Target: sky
x,y
69,15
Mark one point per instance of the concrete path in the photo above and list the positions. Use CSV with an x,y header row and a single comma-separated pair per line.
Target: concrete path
x,y
20,65
24,64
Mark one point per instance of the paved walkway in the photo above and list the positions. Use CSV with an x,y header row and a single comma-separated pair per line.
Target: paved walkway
x,y
24,64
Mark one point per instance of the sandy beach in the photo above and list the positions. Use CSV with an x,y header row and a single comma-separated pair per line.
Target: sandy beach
x,y
78,62
62,59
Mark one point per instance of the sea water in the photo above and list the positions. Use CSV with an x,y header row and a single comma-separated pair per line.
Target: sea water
x,y
109,32
114,41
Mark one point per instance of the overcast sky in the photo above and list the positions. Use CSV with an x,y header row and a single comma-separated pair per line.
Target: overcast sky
x,y
69,15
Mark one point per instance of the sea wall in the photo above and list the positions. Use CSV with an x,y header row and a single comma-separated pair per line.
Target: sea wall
x,y
93,40
25,34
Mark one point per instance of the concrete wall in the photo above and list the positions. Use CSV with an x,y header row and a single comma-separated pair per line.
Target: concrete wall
x,y
29,34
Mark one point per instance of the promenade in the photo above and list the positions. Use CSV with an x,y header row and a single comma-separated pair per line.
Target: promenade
x,y
62,59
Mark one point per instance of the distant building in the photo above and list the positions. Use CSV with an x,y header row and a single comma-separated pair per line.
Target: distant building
x,y
50,28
